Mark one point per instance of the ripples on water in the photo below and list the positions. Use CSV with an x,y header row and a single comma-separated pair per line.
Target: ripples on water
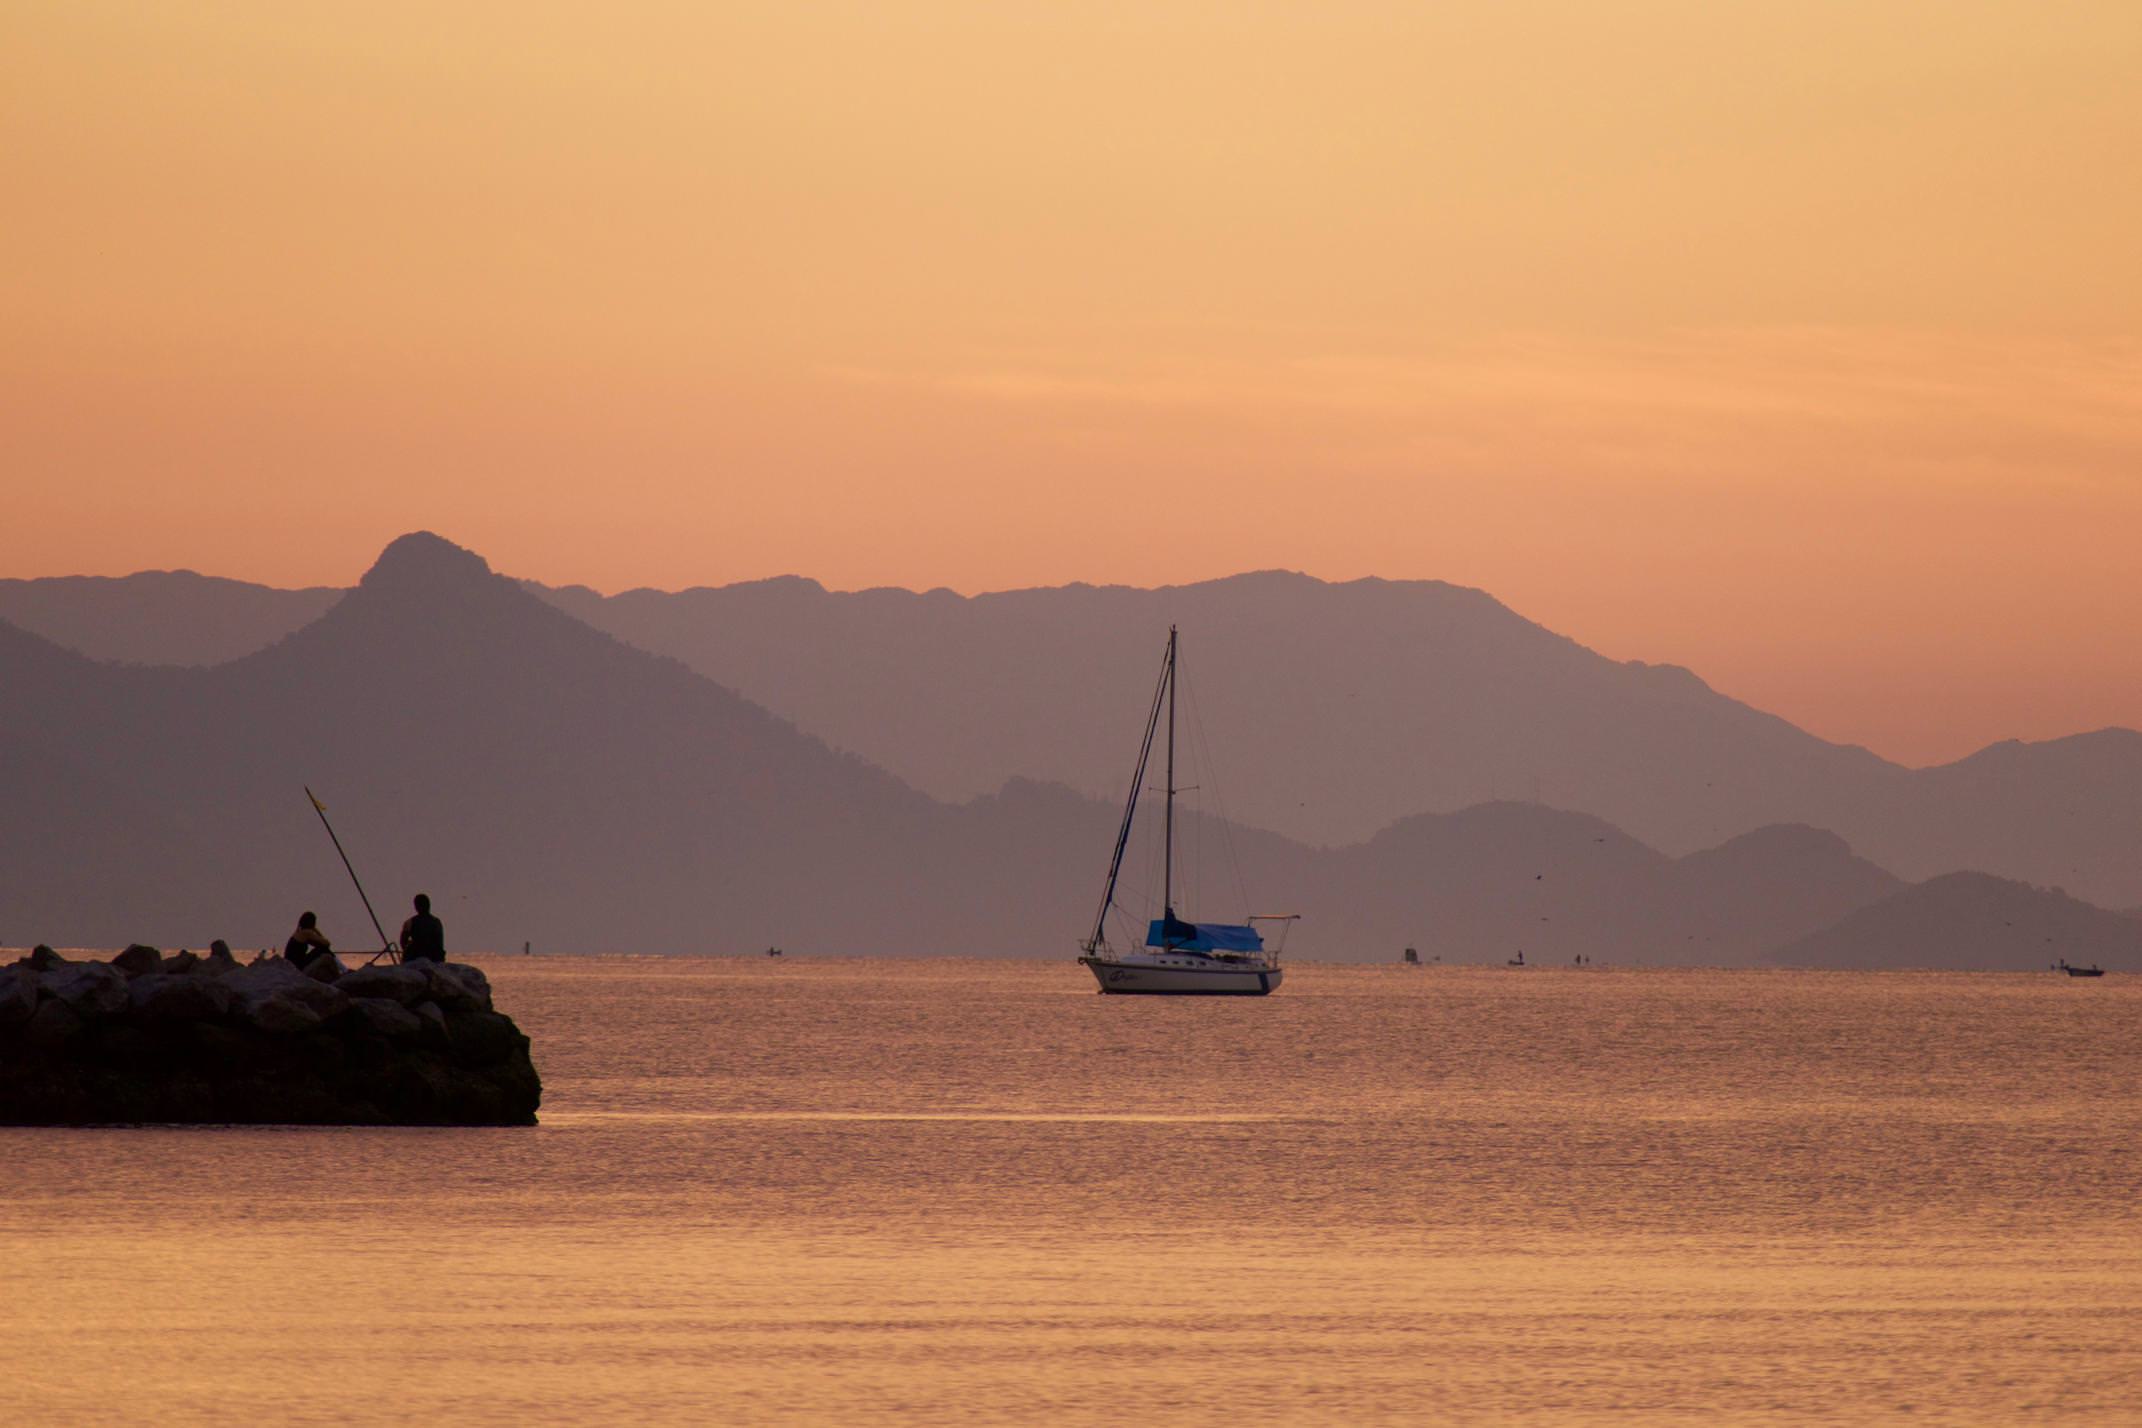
x,y
971,1191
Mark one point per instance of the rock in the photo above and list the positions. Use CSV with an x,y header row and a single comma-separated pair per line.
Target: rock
x,y
281,1099
139,960
42,959
218,1048
18,996
325,1058
519,1089
484,1038
177,997
456,986
432,1029
405,984
218,963
118,1045
275,996
384,1017
325,967
53,1026
281,973
277,1014
418,1088
179,962
184,1100
90,989
255,1045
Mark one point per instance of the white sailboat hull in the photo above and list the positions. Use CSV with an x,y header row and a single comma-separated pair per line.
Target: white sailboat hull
x,y
1181,976
1178,958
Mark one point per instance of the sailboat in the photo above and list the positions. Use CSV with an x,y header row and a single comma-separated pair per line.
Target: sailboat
x,y
1179,958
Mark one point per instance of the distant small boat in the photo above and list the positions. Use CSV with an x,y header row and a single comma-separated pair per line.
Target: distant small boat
x,y
1413,958
2081,971
1208,959
774,952
1517,961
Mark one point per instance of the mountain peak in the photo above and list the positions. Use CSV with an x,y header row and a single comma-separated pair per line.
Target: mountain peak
x,y
422,560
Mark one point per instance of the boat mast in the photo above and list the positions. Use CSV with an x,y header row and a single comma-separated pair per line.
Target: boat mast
x,y
1130,806
1167,855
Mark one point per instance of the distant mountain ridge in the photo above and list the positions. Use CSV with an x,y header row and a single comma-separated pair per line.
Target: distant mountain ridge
x,y
548,783
1364,702
160,616
1974,921
1335,711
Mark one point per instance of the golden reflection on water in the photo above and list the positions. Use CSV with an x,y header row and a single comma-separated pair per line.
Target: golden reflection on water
x,y
968,1191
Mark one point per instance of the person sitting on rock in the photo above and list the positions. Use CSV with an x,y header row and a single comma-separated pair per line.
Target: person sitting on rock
x,y
423,936
307,942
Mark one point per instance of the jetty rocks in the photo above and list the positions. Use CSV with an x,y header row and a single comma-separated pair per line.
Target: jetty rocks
x,y
185,1039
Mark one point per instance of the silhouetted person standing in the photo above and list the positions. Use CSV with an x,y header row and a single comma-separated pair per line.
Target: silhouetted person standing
x,y
307,942
423,936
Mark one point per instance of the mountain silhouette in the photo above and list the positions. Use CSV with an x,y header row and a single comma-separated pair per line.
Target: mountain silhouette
x,y
1766,888
1972,920
1365,702
1354,705
543,781
1359,703
1490,881
160,616
549,783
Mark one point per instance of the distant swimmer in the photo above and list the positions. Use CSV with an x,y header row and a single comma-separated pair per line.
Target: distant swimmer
x,y
423,936
307,942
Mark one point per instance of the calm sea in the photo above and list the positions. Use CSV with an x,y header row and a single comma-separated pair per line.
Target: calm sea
x,y
964,1191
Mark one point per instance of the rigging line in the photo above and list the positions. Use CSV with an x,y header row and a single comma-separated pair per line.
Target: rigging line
x,y
1193,881
1141,875
1154,858
1201,759
1209,774
1130,893
1130,807
1167,827
1134,889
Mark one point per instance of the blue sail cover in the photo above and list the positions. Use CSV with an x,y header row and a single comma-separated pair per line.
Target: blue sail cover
x,y
1176,934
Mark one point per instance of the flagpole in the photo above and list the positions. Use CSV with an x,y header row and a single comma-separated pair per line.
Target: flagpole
x,y
321,809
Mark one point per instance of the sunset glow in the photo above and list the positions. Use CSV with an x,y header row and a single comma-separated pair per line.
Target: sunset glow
x,y
1797,343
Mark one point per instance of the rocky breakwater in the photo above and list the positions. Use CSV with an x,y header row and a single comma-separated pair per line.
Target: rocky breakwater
x,y
147,1038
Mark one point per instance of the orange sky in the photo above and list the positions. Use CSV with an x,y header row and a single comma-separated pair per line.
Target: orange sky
x,y
1799,342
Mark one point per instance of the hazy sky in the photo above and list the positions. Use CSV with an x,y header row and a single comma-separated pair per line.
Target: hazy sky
x,y
1796,341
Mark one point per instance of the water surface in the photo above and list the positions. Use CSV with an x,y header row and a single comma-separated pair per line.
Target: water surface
x,y
957,1191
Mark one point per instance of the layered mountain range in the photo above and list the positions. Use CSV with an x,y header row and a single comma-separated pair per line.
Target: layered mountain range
x,y
1338,709
720,770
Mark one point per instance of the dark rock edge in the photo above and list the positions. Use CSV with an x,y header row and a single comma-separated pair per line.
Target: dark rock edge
x,y
371,1056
